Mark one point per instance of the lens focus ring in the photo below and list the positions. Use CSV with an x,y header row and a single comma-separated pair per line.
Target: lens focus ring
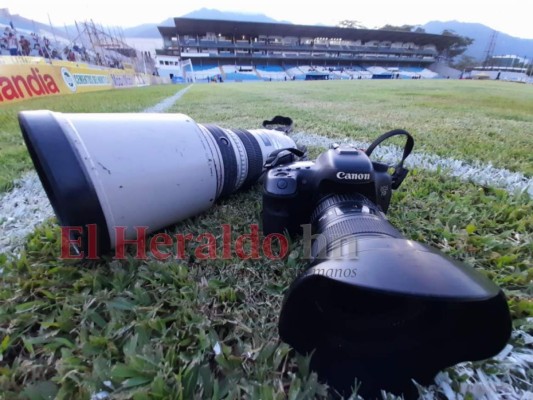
x,y
336,199
342,217
228,158
254,155
240,156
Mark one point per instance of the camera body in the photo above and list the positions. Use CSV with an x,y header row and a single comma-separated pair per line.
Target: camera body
x,y
292,191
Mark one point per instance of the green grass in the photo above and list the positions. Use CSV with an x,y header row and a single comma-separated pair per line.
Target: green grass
x,y
150,328
484,121
14,159
470,120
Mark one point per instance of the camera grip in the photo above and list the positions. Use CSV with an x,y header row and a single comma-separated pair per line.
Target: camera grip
x,y
276,215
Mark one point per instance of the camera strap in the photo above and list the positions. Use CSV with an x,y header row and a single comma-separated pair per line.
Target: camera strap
x,y
400,172
283,156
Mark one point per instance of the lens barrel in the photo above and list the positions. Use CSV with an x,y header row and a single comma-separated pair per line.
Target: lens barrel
x,y
139,170
340,219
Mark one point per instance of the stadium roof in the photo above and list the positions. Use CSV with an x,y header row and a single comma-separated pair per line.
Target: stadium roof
x,y
192,26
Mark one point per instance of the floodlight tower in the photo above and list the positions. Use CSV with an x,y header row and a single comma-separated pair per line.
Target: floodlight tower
x,y
489,51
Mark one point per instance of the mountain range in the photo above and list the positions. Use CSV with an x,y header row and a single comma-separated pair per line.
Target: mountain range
x,y
150,30
504,44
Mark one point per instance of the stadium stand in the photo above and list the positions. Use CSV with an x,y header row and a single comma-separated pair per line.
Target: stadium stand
x,y
417,72
47,46
239,73
294,72
272,72
377,70
248,51
446,71
205,72
511,76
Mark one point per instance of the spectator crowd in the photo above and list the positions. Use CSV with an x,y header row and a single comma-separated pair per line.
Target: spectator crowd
x,y
14,43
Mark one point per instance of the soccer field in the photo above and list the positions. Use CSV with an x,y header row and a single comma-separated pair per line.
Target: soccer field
x,y
208,328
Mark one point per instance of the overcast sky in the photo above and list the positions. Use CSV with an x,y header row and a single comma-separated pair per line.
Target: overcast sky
x,y
510,16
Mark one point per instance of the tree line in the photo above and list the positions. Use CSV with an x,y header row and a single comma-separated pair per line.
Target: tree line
x,y
453,50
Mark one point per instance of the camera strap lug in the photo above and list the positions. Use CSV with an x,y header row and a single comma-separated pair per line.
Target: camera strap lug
x,y
283,156
398,176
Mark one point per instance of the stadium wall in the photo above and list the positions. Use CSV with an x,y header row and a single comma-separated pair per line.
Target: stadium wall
x,y
23,78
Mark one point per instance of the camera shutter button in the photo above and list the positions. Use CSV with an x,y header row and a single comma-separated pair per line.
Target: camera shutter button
x,y
282,184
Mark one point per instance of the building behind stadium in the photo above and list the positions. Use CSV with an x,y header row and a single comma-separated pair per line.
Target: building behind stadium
x,y
197,50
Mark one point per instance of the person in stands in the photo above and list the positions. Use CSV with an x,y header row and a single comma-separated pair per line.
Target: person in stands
x,y
71,56
24,46
12,44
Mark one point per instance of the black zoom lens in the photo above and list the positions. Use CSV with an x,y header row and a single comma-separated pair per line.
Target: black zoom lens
x,y
383,309
340,220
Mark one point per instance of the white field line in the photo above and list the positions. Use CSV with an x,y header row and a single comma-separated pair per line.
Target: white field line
x,y
26,206
478,173
21,211
167,103
505,376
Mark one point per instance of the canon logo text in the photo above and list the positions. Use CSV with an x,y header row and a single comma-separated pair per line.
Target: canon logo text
x,y
353,176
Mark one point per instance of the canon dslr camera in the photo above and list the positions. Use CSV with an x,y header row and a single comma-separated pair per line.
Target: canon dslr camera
x,y
294,194
373,305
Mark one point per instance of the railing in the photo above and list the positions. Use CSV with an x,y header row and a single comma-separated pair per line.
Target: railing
x,y
356,58
279,51
294,47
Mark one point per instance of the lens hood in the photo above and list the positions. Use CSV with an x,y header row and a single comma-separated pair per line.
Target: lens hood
x,y
397,311
66,182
